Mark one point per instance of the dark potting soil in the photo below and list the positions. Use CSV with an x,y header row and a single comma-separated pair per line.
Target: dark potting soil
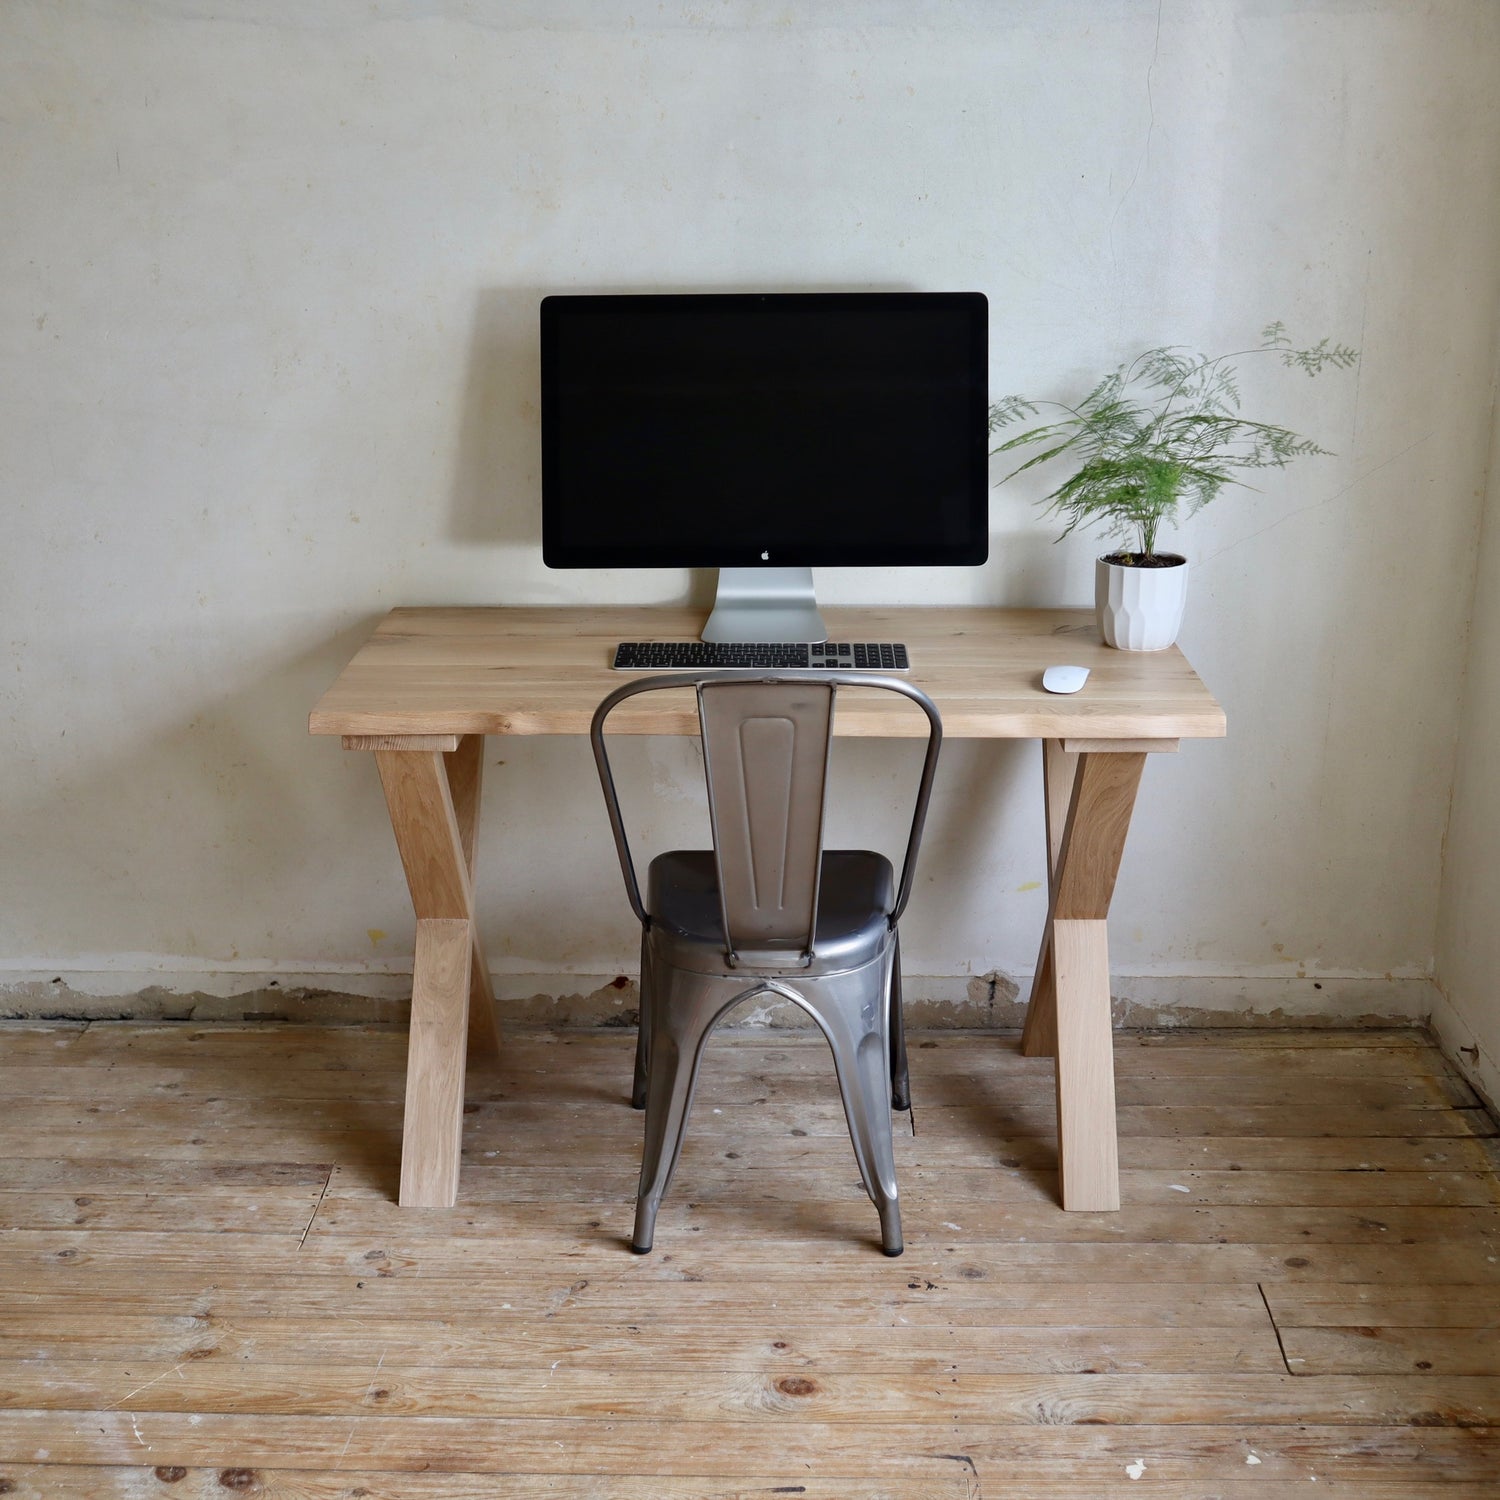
x,y
1146,559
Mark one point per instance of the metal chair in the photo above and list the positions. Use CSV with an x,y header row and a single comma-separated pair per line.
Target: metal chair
x,y
768,910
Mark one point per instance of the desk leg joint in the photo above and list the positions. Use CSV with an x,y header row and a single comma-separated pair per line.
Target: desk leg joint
x,y
1089,801
432,1129
1088,1154
433,798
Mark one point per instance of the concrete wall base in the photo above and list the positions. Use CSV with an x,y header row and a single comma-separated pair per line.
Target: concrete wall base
x,y
982,1001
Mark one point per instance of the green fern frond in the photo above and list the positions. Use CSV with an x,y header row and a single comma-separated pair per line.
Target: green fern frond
x,y
1011,409
1039,458
1033,435
1161,437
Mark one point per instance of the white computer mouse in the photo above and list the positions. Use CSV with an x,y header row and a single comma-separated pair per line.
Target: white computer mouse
x,y
1064,679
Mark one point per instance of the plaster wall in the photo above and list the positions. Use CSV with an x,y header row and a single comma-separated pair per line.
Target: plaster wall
x,y
1467,1016
268,293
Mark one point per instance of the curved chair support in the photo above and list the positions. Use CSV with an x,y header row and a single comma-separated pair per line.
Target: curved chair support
x,y
851,1017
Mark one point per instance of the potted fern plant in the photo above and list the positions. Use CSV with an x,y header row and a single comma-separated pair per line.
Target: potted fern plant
x,y
1154,441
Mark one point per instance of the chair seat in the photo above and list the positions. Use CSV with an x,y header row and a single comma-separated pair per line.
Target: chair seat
x,y
856,891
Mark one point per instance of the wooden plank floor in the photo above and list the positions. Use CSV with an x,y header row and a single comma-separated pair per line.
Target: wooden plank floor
x,y
206,1288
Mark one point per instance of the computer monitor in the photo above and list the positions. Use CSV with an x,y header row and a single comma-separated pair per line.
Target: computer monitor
x,y
764,435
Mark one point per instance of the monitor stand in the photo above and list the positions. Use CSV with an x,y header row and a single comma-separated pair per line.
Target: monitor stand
x,y
765,604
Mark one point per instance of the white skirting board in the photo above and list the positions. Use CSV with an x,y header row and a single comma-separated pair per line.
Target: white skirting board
x,y
1462,1048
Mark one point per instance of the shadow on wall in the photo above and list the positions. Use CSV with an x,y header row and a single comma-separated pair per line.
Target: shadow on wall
x,y
985,787
497,472
1029,570
497,475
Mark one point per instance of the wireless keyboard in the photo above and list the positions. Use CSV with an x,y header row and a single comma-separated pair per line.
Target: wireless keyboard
x,y
708,656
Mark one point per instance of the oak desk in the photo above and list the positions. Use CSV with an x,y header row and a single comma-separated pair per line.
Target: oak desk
x,y
431,683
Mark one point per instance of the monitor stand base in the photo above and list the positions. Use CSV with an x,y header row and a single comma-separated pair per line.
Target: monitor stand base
x,y
765,604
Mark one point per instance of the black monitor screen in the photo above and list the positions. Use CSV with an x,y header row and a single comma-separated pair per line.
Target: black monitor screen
x,y
735,430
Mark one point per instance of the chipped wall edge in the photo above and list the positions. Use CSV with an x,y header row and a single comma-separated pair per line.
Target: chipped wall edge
x,y
992,1000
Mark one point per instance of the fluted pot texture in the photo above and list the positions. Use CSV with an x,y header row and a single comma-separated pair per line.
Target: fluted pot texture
x,y
1140,609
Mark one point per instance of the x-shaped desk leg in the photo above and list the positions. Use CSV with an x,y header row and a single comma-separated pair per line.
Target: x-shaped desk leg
x,y
1089,801
433,797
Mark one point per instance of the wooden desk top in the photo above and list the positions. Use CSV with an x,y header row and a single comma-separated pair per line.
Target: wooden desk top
x,y
544,671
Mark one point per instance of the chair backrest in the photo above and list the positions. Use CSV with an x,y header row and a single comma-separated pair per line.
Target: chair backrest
x,y
765,755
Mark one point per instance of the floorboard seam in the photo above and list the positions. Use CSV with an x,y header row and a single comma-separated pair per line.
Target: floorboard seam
x,y
1260,1287
327,1181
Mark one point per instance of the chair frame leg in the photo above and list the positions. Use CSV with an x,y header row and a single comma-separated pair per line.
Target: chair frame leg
x,y
853,1014
642,1027
680,1009
900,1078
684,1008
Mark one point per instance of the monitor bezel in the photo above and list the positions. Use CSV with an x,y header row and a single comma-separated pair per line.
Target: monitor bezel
x,y
561,551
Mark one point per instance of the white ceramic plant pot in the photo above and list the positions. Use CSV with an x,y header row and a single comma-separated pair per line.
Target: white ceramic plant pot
x,y
1140,609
